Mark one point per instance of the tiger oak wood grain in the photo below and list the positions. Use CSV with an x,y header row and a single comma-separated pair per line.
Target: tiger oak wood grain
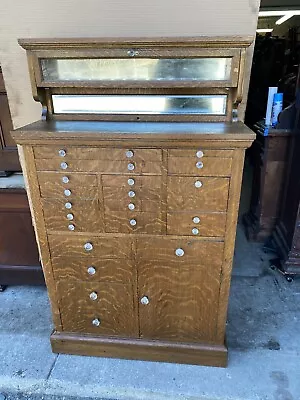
x,y
212,166
146,222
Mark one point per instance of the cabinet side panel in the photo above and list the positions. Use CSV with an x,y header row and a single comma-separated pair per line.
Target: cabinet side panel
x,y
32,187
232,215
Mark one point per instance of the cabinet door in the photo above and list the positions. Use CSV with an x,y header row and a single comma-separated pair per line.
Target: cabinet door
x,y
178,301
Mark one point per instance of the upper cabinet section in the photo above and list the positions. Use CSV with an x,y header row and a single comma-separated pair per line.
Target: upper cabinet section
x,y
179,78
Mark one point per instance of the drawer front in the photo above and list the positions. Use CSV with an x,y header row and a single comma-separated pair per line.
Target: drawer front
x,y
90,246
132,182
198,224
84,216
93,269
200,154
109,312
54,184
194,251
206,166
97,153
197,194
67,166
133,222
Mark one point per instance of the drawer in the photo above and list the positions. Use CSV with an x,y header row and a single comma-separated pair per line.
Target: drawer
x,y
93,269
198,224
66,166
147,223
197,194
80,185
132,182
206,166
130,167
87,246
97,153
84,216
98,308
200,154
195,251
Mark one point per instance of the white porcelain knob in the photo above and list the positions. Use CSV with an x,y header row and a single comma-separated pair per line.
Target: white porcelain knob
x,y
62,153
198,184
130,182
63,165
96,322
132,222
145,300
70,217
179,252
93,296
88,246
195,231
129,153
67,192
68,206
196,220
199,154
65,179
131,193
199,164
71,227
130,167
91,270
131,206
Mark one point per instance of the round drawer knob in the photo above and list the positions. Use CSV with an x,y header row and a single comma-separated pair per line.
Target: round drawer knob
x,y
131,193
131,206
129,153
63,165
130,182
93,296
199,164
88,246
132,222
199,154
71,227
145,300
65,179
68,206
91,270
198,184
130,167
62,153
96,322
70,217
179,252
67,192
195,231
196,220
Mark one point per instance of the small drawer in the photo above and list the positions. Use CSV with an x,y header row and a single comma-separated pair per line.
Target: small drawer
x,y
139,181
197,194
130,167
200,153
92,269
57,185
67,166
97,308
88,245
193,251
133,222
83,216
206,166
196,224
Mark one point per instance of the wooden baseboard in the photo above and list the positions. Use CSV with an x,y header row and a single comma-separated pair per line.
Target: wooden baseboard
x,y
139,349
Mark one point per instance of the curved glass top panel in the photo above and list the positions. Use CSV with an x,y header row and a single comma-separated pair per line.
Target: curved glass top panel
x,y
137,69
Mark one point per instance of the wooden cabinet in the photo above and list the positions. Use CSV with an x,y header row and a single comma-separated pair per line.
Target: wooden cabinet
x,y
136,219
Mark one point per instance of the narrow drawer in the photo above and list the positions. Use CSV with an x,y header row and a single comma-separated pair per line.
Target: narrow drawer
x,y
53,184
84,215
197,194
198,224
67,166
132,182
87,246
130,167
98,308
93,269
200,153
133,222
193,251
206,166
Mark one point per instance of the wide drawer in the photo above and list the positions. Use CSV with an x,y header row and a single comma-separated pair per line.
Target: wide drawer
x,y
132,182
200,153
193,251
206,166
93,269
133,222
198,224
98,308
87,246
197,194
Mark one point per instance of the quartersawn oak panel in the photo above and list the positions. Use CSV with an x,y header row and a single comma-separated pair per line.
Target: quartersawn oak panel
x,y
211,224
104,247
196,251
114,308
146,223
107,270
212,196
212,166
183,300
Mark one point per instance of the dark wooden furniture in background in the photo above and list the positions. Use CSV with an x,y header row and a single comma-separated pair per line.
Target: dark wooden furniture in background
x,y
269,158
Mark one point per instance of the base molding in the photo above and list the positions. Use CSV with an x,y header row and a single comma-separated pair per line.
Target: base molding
x,y
139,349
